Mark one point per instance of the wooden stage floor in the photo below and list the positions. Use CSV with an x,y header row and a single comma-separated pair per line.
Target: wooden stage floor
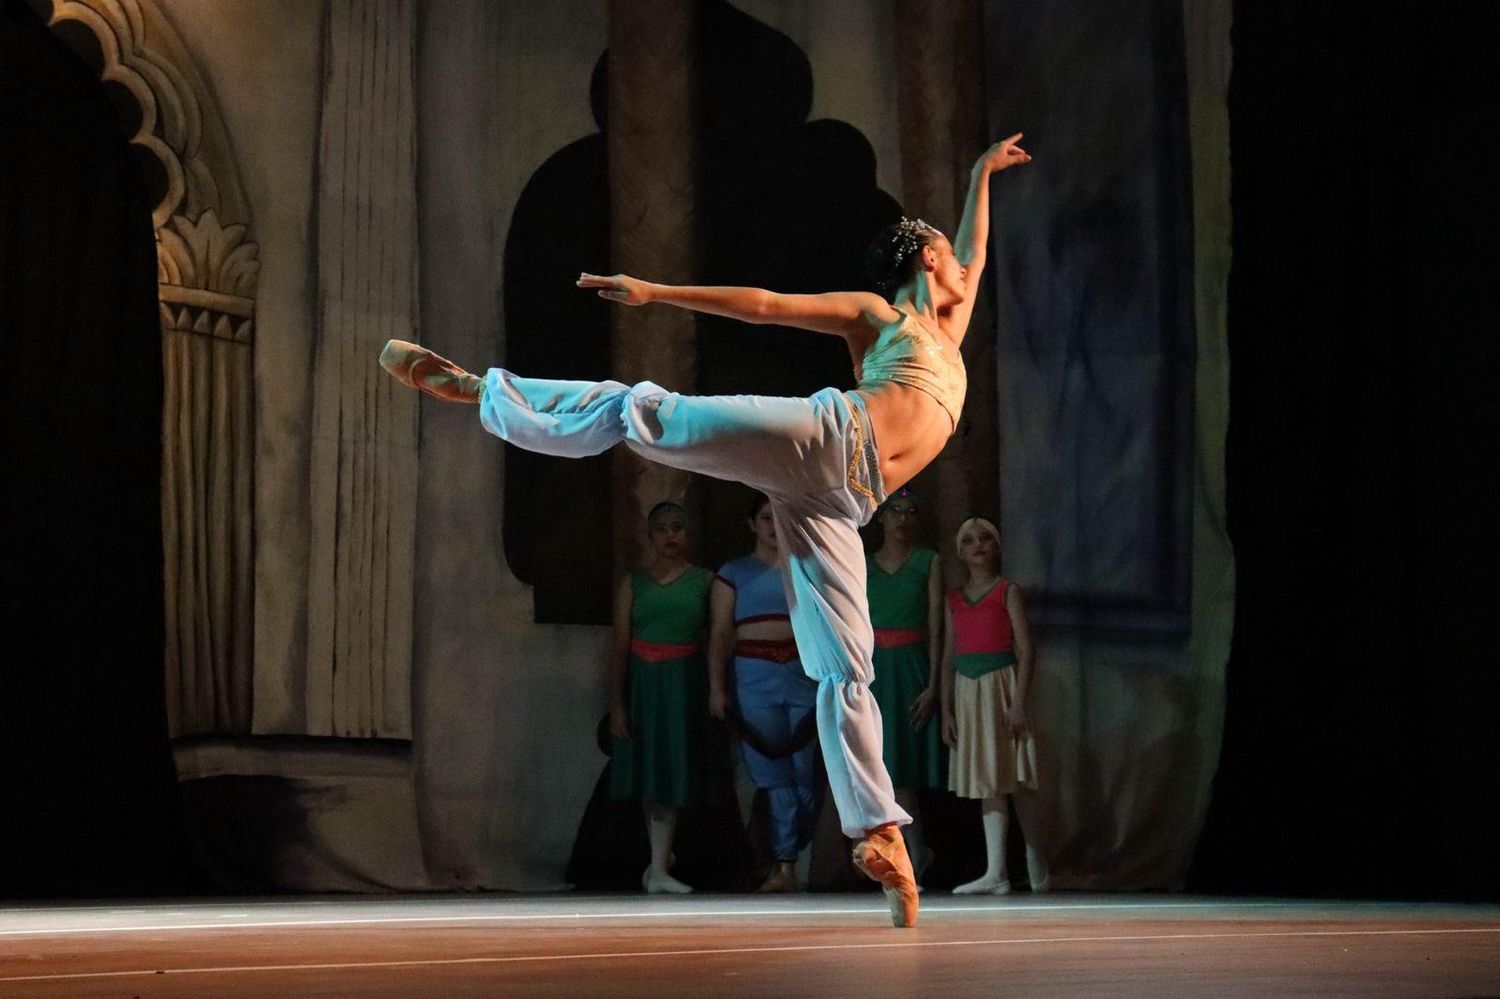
x,y
728,946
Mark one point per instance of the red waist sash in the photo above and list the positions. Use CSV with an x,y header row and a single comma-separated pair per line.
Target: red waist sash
x,y
895,638
653,652
776,650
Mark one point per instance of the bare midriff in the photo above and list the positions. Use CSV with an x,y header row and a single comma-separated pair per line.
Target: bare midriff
x,y
777,630
910,426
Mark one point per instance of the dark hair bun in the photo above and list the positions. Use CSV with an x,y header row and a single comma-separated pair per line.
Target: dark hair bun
x,y
888,257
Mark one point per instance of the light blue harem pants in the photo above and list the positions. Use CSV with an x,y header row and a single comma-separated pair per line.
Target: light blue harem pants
x,y
815,458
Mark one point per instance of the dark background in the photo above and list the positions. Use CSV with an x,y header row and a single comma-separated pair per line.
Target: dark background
x,y
1360,742
1360,746
89,802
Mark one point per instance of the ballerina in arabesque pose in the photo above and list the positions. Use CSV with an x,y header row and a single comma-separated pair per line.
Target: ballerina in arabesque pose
x,y
826,461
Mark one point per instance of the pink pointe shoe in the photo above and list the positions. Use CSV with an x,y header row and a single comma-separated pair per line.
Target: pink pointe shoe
x,y
415,365
881,855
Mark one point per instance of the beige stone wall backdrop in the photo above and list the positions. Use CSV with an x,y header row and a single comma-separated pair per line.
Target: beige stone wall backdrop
x,y
502,710
505,708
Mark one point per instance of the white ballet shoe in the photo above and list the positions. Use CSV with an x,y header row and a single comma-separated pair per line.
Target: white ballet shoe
x,y
661,883
987,885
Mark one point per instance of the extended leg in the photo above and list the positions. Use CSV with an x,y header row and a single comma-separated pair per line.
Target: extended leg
x,y
769,443
415,365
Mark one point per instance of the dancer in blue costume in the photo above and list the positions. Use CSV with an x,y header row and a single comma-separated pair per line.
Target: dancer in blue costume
x,y
771,696
826,461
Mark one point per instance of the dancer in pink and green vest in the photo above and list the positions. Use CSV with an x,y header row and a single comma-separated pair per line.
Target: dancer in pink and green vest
x,y
988,666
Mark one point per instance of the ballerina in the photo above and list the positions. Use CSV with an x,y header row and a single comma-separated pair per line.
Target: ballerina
x,y
825,461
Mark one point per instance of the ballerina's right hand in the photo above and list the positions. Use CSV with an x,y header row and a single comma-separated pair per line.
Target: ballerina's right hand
x,y
1004,153
620,288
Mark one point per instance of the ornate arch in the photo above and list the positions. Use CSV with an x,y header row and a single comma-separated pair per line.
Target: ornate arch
x,y
206,277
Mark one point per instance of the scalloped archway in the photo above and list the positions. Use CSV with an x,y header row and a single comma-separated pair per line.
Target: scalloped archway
x,y
206,278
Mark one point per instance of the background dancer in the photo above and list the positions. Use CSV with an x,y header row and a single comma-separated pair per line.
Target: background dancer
x,y
660,618
987,670
825,461
774,698
905,587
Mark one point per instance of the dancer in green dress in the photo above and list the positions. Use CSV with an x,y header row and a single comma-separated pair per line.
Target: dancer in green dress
x,y
905,587
660,618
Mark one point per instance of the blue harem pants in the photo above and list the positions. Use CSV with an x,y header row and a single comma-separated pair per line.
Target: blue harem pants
x,y
816,460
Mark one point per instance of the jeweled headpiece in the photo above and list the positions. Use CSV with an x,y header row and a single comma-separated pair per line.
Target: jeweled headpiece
x,y
908,238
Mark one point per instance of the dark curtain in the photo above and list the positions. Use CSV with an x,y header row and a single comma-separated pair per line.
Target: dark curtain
x,y
1360,740
89,804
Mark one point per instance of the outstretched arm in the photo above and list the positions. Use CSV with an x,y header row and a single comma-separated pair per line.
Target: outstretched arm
x,y
841,313
971,243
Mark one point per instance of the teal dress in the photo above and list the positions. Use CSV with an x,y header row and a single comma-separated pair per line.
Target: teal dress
x,y
666,692
898,607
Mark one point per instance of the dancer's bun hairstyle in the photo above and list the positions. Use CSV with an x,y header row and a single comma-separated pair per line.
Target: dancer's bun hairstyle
x,y
890,255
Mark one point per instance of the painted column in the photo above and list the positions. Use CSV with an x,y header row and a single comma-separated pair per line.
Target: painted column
x,y
653,164
364,447
941,114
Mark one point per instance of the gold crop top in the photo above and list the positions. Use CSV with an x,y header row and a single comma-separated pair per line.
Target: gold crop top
x,y
907,353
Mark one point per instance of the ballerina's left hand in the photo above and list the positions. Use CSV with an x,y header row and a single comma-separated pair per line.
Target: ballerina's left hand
x,y
620,288
1004,153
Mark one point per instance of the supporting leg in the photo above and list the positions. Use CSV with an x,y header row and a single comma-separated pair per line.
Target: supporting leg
x,y
824,573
